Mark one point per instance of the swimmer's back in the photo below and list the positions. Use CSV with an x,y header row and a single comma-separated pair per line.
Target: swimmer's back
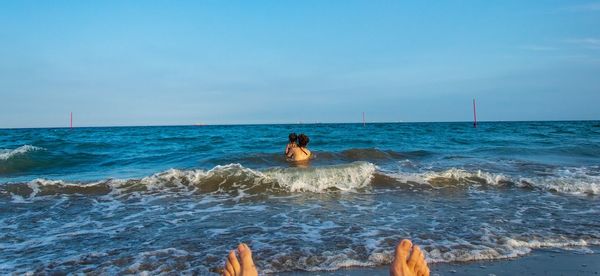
x,y
300,154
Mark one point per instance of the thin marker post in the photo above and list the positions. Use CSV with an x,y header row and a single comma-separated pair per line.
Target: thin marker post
x,y
474,114
364,124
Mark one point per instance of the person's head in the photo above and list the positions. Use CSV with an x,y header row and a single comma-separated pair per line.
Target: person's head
x,y
293,137
302,140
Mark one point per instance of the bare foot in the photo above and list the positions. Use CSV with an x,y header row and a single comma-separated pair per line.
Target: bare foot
x,y
243,267
403,265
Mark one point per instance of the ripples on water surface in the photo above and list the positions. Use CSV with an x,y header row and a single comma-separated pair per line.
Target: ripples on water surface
x,y
176,199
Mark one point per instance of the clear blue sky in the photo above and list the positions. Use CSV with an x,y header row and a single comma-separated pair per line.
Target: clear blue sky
x,y
183,62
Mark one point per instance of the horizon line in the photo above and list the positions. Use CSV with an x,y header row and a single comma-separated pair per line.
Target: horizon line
x,y
302,123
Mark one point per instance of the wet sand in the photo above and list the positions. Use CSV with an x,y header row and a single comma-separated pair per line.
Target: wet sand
x,y
539,262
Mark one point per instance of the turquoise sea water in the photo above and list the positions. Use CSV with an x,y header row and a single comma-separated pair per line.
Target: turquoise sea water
x,y
176,199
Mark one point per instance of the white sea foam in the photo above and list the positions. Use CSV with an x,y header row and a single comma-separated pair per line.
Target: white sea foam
x,y
236,177
160,262
232,178
452,176
575,181
6,154
343,177
506,248
471,177
241,181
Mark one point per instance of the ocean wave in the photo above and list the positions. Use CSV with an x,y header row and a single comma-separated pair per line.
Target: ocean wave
x,y
28,159
341,177
502,248
452,177
230,179
237,180
574,181
6,154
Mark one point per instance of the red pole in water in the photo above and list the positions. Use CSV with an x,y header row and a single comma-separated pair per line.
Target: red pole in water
x,y
474,114
71,119
363,118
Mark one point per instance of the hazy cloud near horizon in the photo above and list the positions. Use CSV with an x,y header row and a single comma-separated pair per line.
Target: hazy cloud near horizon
x,y
185,62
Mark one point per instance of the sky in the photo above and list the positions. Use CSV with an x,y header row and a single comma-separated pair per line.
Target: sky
x,y
116,63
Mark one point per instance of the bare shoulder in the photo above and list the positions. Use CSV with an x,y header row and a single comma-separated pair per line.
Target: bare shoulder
x,y
295,151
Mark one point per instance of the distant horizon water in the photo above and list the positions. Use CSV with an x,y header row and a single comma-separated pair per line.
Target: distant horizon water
x,y
301,123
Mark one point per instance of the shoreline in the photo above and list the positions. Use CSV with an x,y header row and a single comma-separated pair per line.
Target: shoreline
x,y
546,261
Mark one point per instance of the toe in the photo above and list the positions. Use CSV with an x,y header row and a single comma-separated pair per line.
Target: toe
x,y
419,271
245,255
234,262
228,269
426,272
248,267
398,266
415,257
422,268
402,250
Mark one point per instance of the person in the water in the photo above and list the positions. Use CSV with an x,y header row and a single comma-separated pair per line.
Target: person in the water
x,y
292,144
300,153
408,261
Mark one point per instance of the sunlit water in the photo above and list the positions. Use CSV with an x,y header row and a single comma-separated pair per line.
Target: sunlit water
x,y
176,199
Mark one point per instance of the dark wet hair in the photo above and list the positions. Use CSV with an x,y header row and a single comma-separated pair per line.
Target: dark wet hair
x,y
293,137
303,140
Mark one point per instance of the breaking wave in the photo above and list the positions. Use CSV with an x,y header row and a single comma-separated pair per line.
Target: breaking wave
x,y
452,177
345,178
575,181
235,179
232,179
6,154
27,159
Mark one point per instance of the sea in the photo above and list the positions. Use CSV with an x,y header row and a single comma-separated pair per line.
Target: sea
x,y
176,199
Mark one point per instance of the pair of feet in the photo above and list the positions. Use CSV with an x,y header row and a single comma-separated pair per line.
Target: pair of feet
x,y
408,261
